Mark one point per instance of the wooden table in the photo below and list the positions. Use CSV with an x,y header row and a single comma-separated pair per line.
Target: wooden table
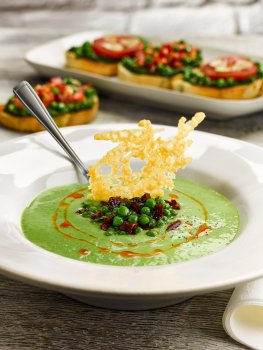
x,y
32,318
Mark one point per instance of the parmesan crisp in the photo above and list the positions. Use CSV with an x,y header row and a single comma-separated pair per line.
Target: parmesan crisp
x,y
162,158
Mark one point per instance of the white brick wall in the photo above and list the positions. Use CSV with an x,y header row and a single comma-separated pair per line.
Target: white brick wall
x,y
155,17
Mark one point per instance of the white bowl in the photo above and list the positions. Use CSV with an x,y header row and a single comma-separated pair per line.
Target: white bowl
x,y
32,163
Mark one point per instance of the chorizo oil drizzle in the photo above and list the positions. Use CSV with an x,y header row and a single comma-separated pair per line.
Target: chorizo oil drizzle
x,y
64,204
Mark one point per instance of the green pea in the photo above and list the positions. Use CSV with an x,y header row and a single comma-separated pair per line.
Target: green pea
x,y
11,107
207,81
133,218
90,91
182,41
167,212
150,203
159,223
146,210
55,91
93,209
176,48
104,209
109,233
115,210
151,233
220,82
148,59
230,81
160,201
138,230
152,223
122,233
173,212
61,107
78,52
117,221
69,80
123,211
144,219
86,214
164,218
166,205
187,49
260,67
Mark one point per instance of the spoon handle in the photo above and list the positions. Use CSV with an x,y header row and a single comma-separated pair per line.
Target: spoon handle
x,y
32,102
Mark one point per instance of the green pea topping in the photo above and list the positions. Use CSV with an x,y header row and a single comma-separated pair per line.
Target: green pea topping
x,y
151,233
117,221
160,201
230,81
86,214
146,210
144,219
173,212
69,80
122,233
152,223
133,218
182,41
123,211
164,218
167,212
115,210
109,233
150,203
187,49
260,67
61,107
159,223
89,92
55,91
93,209
220,82
148,59
104,209
138,230
176,48
166,205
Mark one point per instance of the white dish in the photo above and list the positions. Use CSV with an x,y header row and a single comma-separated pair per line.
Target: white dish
x,y
32,163
49,59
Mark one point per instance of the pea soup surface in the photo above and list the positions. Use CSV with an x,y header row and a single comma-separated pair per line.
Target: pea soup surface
x,y
209,222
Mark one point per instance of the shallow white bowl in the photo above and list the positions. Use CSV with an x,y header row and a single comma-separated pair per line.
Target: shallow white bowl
x,y
32,163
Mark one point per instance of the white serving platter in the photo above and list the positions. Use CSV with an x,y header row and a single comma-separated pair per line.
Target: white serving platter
x,y
232,167
49,60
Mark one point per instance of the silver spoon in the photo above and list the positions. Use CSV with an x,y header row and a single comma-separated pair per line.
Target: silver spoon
x,y
32,102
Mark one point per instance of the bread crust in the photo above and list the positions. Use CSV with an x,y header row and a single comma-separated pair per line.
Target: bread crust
x,y
143,79
101,68
30,124
239,92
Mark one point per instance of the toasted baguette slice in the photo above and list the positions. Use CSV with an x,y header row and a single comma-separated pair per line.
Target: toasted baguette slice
x,y
30,124
102,68
238,92
143,79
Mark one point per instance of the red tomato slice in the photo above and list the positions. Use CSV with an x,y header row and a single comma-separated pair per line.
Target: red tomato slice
x,y
117,46
232,68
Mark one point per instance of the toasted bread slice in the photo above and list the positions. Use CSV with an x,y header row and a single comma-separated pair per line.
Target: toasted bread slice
x,y
30,124
102,68
143,79
239,92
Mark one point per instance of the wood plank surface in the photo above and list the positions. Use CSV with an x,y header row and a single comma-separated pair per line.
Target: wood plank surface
x,y
33,318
